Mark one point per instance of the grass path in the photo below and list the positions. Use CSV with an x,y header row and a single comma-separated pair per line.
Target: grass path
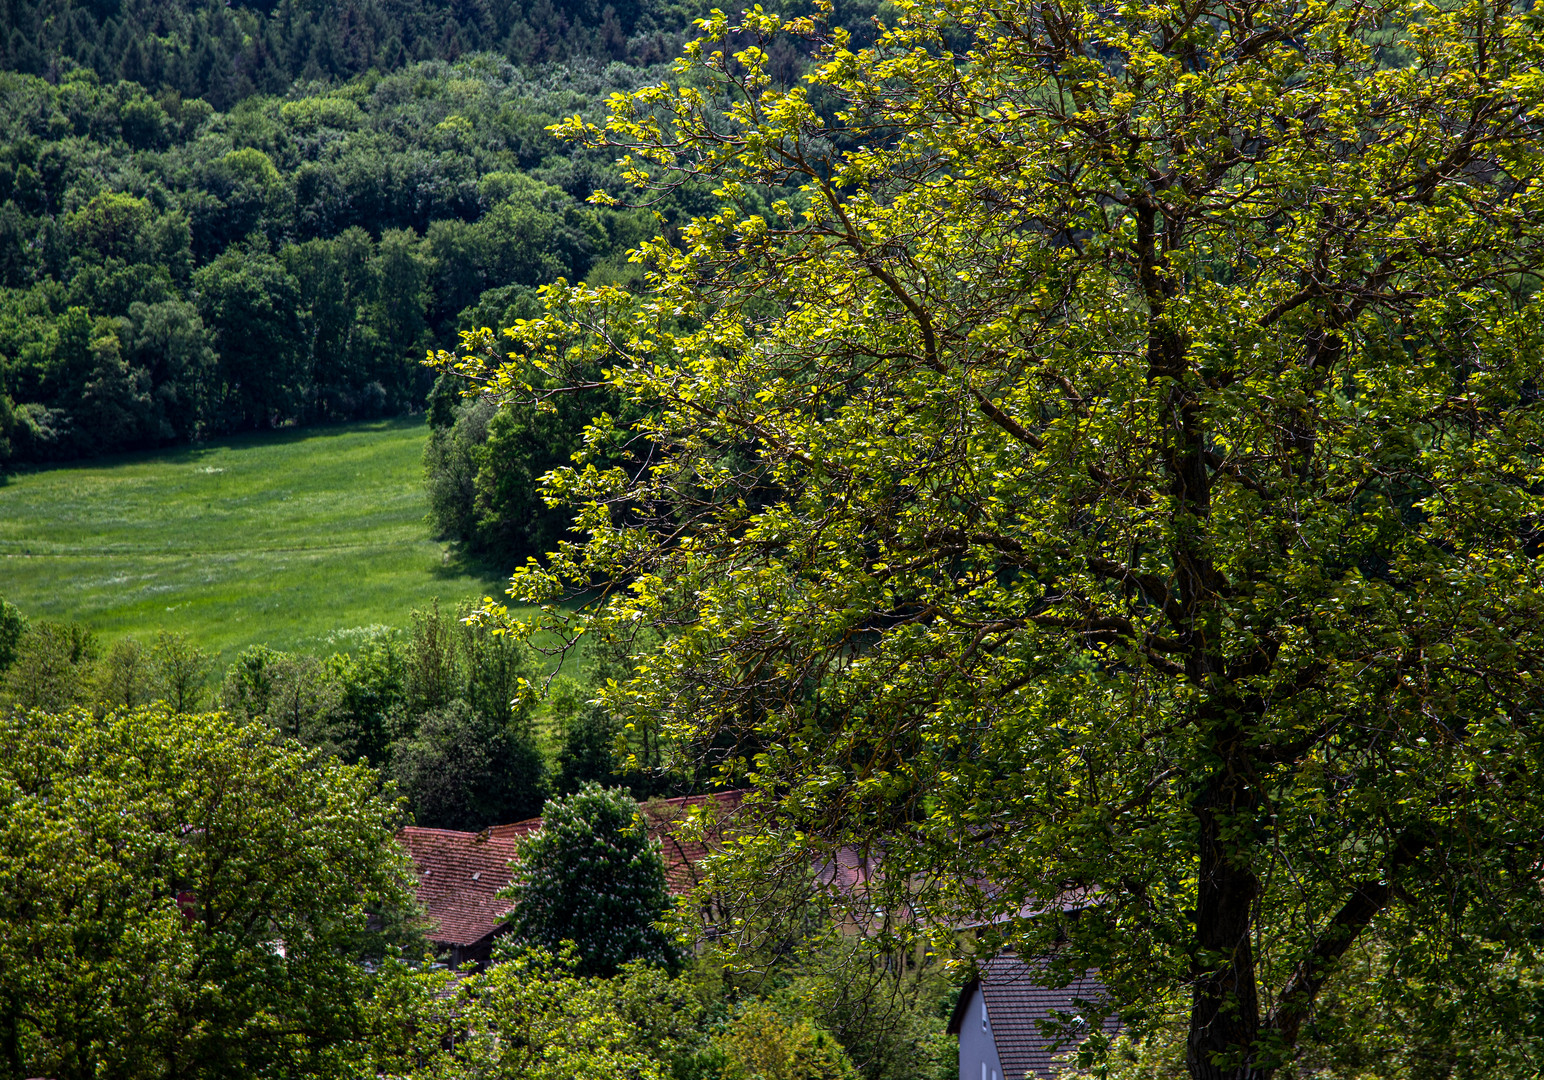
x,y
294,539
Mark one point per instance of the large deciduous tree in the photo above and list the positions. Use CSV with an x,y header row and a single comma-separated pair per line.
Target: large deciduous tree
x,y
1092,456
184,896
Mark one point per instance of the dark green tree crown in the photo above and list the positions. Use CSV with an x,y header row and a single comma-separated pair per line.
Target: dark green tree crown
x,y
593,876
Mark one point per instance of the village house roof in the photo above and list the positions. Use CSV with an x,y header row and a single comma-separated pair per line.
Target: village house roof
x,y
683,858
1024,1014
849,870
460,874
517,830
459,877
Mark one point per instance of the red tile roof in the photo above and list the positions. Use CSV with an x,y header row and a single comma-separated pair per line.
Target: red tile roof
x,y
849,870
517,830
460,873
459,876
683,858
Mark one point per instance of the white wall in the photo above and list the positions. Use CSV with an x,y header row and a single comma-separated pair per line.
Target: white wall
x,y
978,1051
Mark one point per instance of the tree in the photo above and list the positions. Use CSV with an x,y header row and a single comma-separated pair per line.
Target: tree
x,y
450,462
125,679
462,769
588,752
533,1015
115,408
1458,1022
483,466
181,669
883,1013
298,696
182,897
169,341
765,1043
592,876
371,677
253,306
513,520
13,627
55,667
1093,458
467,757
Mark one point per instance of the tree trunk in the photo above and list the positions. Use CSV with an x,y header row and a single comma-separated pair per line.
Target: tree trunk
x,y
1225,1013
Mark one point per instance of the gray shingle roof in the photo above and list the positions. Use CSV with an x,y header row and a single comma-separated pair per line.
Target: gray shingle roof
x,y
1023,1012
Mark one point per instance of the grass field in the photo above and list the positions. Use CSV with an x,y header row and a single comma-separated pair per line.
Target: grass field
x,y
297,539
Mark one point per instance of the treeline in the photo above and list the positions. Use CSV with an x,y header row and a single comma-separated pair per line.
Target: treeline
x,y
483,465
225,53
436,706
168,272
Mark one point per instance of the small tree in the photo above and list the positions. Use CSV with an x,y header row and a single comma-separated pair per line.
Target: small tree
x,y
463,770
55,667
13,624
125,678
592,876
181,671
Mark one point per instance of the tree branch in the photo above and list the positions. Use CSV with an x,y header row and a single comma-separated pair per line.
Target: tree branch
x,y
1367,899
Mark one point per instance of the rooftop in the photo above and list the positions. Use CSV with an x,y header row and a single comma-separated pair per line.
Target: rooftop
x,y
459,877
1024,1013
461,873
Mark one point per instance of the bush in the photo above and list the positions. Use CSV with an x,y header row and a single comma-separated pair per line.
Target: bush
x,y
767,1043
534,1016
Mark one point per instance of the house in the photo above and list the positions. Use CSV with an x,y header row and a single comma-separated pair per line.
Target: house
x,y
460,874
1005,1020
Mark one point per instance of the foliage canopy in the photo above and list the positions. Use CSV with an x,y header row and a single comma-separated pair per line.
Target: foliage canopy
x,y
1098,464
591,876
183,896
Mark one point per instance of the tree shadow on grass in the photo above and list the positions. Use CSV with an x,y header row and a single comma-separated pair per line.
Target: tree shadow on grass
x,y
457,560
193,453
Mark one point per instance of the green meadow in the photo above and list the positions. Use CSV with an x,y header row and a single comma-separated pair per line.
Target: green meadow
x,y
301,540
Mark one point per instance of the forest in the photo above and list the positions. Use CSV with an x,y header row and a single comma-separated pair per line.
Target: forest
x,y
182,258
171,272
226,53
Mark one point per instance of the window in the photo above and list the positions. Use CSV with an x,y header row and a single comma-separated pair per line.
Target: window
x,y
983,1020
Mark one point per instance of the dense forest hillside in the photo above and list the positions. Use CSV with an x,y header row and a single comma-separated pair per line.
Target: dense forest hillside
x,y
224,53
168,271
218,218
